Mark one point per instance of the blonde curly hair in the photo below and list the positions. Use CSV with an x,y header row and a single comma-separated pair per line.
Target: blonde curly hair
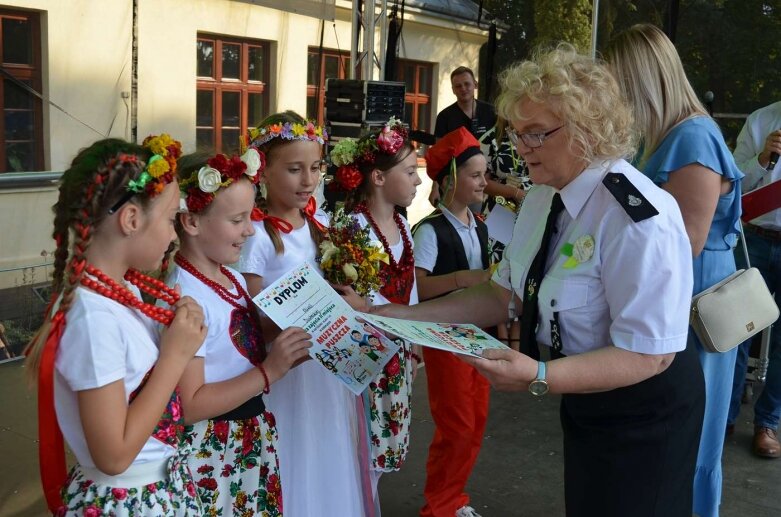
x,y
581,92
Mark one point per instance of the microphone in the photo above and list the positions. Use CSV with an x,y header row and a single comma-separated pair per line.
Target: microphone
x,y
708,98
772,163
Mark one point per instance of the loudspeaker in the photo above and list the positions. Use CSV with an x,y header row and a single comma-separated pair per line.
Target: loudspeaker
x,y
355,101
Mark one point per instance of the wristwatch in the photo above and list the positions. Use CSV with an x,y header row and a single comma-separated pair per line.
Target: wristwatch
x,y
539,386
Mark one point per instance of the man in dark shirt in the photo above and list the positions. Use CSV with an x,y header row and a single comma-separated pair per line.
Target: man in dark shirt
x,y
475,115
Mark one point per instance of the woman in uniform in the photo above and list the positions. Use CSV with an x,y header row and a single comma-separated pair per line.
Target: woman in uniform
x,y
599,269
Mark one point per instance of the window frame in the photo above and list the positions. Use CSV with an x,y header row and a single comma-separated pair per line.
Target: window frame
x,y
217,85
343,73
419,97
22,72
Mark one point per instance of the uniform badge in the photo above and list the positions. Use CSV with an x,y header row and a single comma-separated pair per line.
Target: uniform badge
x,y
579,252
636,206
555,332
531,288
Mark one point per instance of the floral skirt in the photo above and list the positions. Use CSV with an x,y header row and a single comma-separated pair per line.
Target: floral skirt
x,y
390,412
235,466
89,493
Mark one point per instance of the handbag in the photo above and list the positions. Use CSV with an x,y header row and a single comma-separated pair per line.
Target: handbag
x,y
733,310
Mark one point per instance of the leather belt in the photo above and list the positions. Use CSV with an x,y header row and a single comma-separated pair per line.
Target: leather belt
x,y
774,235
250,409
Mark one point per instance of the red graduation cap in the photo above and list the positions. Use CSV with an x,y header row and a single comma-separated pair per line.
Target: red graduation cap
x,y
458,145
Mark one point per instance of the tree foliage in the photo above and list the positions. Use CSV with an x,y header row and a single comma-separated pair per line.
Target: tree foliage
x,y
729,47
563,20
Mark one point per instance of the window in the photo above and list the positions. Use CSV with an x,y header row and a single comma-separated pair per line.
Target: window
x,y
231,90
334,64
21,124
417,76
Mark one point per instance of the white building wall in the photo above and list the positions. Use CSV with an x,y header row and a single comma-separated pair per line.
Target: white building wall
x,y
86,65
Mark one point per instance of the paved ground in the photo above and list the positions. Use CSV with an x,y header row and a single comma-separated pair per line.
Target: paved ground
x,y
519,472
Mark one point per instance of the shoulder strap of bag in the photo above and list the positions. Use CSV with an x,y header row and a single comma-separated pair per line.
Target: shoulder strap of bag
x,y
743,241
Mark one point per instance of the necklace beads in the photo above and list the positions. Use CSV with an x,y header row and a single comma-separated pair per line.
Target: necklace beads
x,y
104,285
223,293
407,261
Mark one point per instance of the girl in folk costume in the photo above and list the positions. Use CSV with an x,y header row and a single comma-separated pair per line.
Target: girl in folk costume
x,y
379,173
107,380
234,438
316,414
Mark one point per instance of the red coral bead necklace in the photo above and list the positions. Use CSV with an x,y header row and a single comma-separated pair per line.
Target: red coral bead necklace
x,y
407,261
106,286
218,288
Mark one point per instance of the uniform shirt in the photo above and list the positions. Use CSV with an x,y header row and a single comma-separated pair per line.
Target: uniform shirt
x,y
633,292
426,248
258,256
222,361
104,342
750,144
451,118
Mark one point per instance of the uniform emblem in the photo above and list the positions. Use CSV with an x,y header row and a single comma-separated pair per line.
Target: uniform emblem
x,y
636,206
531,288
555,332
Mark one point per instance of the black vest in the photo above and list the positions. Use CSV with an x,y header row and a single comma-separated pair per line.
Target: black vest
x,y
450,250
451,255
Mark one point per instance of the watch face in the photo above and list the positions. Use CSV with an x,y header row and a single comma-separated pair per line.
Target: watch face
x,y
538,387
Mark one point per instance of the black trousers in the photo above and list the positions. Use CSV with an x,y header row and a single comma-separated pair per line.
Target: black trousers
x,y
632,452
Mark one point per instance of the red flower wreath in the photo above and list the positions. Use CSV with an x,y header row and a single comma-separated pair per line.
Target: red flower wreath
x,y
197,199
349,177
231,168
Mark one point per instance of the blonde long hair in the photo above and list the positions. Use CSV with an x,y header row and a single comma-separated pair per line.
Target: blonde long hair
x,y
651,76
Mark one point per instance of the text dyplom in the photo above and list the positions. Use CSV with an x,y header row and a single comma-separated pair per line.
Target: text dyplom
x,y
343,343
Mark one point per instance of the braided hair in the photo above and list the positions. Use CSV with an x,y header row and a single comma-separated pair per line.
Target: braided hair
x,y
97,178
260,200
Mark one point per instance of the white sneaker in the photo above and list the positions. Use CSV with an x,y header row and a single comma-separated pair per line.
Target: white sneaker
x,y
467,511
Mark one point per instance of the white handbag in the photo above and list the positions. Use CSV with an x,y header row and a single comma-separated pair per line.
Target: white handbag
x,y
734,310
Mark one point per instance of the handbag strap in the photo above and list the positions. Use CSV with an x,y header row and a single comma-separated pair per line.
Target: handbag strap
x,y
743,240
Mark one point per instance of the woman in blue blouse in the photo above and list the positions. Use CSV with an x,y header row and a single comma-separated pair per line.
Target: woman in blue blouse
x,y
685,154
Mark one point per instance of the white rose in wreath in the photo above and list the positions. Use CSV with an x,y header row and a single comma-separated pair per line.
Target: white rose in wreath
x,y
209,179
252,159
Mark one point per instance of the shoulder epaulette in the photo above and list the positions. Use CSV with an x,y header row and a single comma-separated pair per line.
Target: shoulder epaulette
x,y
631,200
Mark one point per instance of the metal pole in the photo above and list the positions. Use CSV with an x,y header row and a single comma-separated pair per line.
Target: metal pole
x,y
594,23
368,40
383,21
354,38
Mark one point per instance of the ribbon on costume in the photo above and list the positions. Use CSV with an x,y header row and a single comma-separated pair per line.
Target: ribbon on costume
x,y
259,215
309,212
51,451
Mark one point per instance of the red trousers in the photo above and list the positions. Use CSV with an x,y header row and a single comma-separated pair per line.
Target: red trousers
x,y
458,397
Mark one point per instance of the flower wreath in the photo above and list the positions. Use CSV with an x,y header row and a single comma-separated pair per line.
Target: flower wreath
x,y
158,172
349,154
161,168
257,136
199,189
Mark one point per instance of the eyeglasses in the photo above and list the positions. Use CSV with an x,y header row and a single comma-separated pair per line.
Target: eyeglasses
x,y
531,140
